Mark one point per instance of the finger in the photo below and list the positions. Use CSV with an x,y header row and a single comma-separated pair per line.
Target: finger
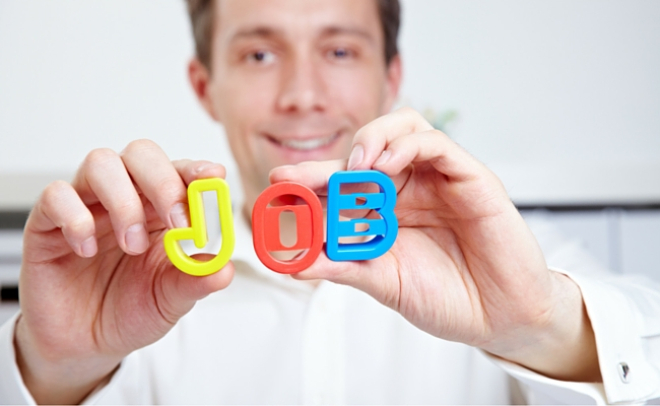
x,y
377,277
370,141
179,291
313,174
159,181
433,146
192,170
59,206
104,178
190,287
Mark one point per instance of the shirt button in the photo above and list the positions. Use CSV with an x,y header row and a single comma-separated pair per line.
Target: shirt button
x,y
624,372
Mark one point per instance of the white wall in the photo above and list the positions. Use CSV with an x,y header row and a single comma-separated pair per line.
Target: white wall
x,y
78,75
561,98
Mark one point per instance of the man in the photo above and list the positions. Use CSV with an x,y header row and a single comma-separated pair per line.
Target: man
x,y
299,87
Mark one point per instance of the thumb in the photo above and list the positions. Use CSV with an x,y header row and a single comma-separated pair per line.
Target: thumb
x,y
179,291
377,277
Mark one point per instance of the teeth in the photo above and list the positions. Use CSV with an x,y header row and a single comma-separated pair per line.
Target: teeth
x,y
305,145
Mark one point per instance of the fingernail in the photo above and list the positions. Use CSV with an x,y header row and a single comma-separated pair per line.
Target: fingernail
x,y
179,216
356,157
136,238
199,169
88,247
384,157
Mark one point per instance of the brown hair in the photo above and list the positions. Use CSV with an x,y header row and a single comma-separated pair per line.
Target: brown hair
x,y
201,17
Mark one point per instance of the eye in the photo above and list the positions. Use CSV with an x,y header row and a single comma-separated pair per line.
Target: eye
x,y
341,53
261,57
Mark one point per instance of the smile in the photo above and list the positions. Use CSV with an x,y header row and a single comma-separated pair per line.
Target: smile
x,y
305,144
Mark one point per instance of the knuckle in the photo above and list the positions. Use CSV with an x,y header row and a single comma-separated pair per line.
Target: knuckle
x,y
54,188
361,134
99,157
412,115
409,112
140,145
126,207
169,190
438,135
54,192
79,225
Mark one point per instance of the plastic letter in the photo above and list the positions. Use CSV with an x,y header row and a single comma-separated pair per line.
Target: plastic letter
x,y
385,229
197,231
309,225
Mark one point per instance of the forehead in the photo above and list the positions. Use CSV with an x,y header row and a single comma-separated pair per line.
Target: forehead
x,y
296,19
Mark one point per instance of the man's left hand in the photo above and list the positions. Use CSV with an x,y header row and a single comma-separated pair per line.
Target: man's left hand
x,y
465,267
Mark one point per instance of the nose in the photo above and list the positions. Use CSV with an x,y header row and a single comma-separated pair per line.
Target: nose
x,y
302,89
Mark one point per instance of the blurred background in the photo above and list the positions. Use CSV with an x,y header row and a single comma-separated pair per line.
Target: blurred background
x,y
560,98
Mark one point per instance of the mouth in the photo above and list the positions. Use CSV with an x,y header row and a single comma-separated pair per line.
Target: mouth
x,y
304,144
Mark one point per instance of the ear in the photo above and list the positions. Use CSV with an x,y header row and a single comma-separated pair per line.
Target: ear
x,y
200,77
392,83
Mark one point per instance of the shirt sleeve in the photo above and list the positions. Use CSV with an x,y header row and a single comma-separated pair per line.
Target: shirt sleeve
x,y
126,386
12,388
625,315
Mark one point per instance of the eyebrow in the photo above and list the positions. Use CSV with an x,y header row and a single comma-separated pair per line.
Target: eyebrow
x,y
259,32
347,30
269,32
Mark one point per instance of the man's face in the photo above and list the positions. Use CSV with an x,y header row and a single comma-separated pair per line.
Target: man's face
x,y
293,80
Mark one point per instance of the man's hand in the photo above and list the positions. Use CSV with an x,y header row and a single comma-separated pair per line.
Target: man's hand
x,y
95,283
465,267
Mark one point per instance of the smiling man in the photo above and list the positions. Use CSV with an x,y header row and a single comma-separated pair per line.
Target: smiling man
x,y
463,301
294,82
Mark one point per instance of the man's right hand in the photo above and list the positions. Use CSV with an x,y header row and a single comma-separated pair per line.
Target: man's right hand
x,y
95,282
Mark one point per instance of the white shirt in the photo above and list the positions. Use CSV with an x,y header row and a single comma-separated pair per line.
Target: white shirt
x,y
268,338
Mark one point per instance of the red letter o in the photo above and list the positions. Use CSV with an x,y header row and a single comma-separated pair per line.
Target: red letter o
x,y
309,221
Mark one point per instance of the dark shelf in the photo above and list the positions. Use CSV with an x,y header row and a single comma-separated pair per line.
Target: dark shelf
x,y
9,294
13,219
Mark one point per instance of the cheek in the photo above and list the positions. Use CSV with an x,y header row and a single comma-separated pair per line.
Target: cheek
x,y
243,100
358,92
